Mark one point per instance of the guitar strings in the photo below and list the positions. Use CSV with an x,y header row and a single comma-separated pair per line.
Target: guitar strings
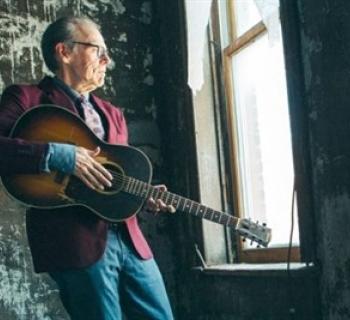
x,y
120,178
144,189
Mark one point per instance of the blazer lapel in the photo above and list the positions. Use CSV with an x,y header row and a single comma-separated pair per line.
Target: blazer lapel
x,y
56,95
59,97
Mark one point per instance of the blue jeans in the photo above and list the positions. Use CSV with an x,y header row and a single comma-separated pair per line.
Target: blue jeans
x,y
119,283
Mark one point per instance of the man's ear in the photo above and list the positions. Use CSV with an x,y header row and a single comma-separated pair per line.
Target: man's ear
x,y
63,53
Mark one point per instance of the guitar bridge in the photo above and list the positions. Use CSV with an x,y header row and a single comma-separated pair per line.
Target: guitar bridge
x,y
65,198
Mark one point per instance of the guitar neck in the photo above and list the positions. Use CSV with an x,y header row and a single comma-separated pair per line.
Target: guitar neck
x,y
144,190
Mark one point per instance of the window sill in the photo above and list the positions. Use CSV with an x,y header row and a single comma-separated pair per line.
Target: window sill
x,y
261,269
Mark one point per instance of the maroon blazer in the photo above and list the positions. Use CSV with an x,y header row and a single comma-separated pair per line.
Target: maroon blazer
x,y
14,153
69,237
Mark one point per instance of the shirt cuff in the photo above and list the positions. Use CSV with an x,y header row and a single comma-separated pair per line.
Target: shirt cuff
x,y
60,157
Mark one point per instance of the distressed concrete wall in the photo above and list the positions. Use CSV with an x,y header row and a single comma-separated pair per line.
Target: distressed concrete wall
x,y
130,34
325,40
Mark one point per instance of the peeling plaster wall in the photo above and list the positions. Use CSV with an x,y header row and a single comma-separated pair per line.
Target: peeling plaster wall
x,y
23,294
130,35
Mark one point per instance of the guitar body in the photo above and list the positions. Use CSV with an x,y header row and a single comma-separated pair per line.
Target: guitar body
x,y
48,123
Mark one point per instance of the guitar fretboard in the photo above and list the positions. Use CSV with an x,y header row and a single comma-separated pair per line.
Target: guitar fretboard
x,y
145,190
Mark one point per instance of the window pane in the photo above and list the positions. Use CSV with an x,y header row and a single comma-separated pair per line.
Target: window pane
x,y
264,142
246,15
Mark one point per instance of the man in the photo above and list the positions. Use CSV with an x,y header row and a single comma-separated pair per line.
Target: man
x,y
101,269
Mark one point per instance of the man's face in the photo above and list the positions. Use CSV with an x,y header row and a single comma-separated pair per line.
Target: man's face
x,y
88,59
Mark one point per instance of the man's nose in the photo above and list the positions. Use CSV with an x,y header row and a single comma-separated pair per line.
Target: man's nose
x,y
105,58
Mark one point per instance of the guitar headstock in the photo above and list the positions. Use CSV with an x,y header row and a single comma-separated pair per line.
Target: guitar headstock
x,y
254,231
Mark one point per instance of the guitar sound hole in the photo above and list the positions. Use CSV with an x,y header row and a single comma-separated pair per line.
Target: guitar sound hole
x,y
78,190
118,177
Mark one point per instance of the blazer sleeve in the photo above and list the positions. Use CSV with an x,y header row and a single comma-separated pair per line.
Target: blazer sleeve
x,y
17,156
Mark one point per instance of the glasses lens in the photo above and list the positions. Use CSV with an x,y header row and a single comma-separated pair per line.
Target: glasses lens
x,y
102,52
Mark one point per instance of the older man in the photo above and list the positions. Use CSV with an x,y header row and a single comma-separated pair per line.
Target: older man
x,y
101,269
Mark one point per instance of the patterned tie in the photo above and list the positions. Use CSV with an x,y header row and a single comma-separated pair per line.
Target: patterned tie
x,y
92,118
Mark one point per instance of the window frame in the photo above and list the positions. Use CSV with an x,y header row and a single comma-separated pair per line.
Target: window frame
x,y
260,255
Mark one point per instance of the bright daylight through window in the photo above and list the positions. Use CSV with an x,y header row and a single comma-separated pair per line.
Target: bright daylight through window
x,y
260,120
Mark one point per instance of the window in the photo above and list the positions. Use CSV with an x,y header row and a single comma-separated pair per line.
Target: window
x,y
242,130
258,121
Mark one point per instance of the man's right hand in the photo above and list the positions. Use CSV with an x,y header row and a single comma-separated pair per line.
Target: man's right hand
x,y
91,172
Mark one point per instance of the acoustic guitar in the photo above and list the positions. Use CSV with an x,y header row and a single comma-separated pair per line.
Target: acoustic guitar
x,y
130,167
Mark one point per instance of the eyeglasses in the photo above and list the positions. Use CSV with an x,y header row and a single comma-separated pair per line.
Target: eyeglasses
x,y
102,52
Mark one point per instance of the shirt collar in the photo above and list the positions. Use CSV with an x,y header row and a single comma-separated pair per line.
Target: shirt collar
x,y
73,94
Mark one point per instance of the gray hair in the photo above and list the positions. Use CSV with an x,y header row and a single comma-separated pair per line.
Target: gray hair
x,y
61,30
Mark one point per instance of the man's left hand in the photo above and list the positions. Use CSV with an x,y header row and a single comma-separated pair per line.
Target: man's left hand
x,y
158,205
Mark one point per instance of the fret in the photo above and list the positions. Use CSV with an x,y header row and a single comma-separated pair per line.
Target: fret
x,y
198,213
186,205
198,207
149,191
145,190
216,216
233,221
176,202
191,204
212,214
129,185
223,219
202,210
171,200
133,189
166,198
162,195
155,196
227,222
220,216
206,210
125,185
182,203
141,188
192,208
137,187
153,190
